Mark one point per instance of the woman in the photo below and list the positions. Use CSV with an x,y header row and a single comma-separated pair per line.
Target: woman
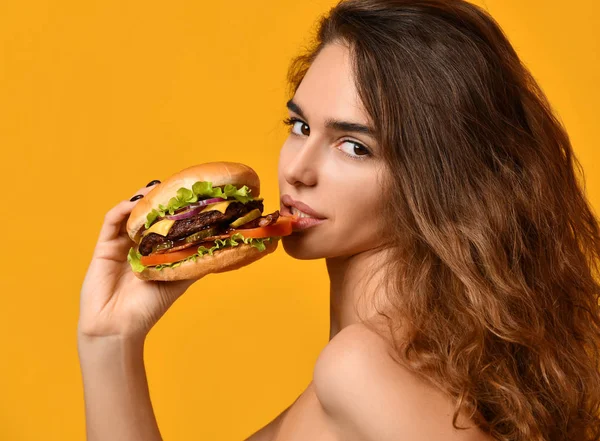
x,y
460,247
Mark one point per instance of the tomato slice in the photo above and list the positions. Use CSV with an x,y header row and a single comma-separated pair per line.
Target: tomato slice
x,y
283,227
175,256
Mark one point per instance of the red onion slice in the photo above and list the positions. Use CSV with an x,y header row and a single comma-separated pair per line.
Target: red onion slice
x,y
193,209
208,202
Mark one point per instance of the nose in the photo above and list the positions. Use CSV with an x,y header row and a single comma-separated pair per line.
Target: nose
x,y
303,166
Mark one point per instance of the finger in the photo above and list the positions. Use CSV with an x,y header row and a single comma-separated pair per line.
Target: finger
x,y
114,220
171,291
145,190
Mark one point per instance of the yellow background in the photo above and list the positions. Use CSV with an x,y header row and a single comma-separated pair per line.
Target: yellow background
x,y
99,97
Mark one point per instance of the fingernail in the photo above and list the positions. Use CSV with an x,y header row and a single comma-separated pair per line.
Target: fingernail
x,y
136,197
151,183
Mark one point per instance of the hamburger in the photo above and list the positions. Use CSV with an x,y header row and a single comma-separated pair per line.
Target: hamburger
x,y
205,219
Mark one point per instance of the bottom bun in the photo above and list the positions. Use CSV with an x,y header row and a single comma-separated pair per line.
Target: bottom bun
x,y
225,259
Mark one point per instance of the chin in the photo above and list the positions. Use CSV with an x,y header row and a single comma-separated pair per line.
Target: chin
x,y
300,247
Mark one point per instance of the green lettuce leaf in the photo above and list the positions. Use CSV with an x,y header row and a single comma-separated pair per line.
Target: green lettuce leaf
x,y
134,260
134,256
200,189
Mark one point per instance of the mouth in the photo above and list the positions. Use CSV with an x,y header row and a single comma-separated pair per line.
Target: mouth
x,y
298,208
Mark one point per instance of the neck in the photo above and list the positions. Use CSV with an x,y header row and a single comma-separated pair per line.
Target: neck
x,y
353,286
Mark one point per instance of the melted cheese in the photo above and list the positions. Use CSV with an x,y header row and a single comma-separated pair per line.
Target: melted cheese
x,y
218,206
161,227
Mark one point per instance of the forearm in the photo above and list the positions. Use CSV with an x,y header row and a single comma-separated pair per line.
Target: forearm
x,y
117,399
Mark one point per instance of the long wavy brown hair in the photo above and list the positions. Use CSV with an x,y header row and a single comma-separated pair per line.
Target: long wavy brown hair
x,y
495,246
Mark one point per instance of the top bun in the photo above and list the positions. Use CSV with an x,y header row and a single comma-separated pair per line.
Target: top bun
x,y
219,173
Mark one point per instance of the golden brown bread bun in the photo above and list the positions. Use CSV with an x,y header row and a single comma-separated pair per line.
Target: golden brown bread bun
x,y
226,259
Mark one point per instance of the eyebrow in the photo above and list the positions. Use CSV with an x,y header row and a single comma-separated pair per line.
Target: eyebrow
x,y
341,126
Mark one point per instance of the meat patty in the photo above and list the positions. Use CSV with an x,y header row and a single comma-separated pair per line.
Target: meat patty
x,y
185,227
148,243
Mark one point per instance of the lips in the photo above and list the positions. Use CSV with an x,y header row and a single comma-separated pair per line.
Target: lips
x,y
289,206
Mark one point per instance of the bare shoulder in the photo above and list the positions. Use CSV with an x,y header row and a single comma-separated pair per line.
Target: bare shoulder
x,y
368,394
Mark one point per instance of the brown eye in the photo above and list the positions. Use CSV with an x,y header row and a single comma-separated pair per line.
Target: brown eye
x,y
354,149
302,127
297,126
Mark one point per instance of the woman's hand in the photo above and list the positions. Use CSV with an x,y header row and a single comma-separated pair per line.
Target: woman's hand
x,y
114,302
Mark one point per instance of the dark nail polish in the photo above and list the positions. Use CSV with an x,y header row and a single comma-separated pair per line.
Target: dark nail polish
x,y
136,197
151,183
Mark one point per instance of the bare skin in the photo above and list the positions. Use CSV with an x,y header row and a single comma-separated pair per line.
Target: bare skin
x,y
358,391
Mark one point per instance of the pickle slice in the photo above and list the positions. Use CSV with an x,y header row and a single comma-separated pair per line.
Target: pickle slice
x,y
163,246
202,234
254,214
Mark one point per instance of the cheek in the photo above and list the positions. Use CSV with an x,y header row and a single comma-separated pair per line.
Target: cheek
x,y
359,211
358,220
356,224
285,156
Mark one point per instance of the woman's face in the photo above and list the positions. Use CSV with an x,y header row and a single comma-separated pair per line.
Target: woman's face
x,y
330,166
